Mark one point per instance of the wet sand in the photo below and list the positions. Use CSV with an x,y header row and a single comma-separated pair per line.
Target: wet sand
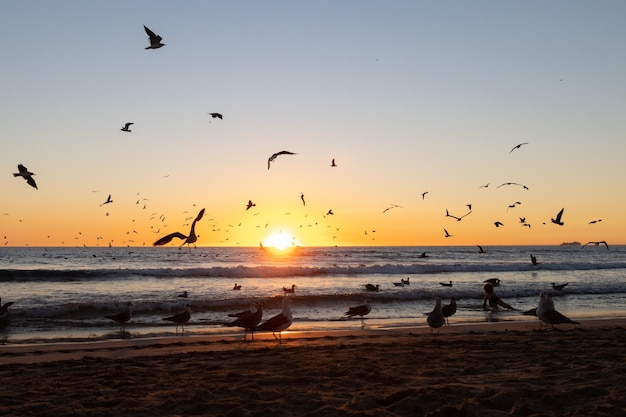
x,y
489,369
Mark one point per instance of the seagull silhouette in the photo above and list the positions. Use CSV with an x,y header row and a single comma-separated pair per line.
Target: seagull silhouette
x,y
498,224
216,115
28,176
447,234
250,205
455,217
518,146
558,218
603,242
424,194
155,40
126,127
332,163
302,198
108,201
277,154
192,238
513,183
361,310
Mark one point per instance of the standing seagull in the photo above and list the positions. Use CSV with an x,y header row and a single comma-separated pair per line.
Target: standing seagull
x,y
192,238
449,309
279,322
155,40
28,176
558,218
126,127
547,314
274,156
181,318
123,317
435,318
248,320
361,311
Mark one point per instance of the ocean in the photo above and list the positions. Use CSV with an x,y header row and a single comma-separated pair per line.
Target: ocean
x,y
65,294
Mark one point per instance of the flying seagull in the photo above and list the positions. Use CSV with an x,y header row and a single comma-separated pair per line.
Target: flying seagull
x,y
28,176
216,115
603,242
558,218
513,183
192,238
302,198
250,205
274,156
155,40
447,234
108,201
126,127
332,163
424,194
518,146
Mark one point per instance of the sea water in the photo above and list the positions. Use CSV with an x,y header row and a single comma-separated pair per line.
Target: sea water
x,y
66,293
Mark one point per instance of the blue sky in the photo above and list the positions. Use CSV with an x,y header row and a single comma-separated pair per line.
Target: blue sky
x,y
406,96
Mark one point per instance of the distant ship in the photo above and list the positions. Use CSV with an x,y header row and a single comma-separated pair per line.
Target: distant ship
x,y
570,244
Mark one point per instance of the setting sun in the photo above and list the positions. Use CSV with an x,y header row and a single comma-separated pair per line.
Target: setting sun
x,y
279,240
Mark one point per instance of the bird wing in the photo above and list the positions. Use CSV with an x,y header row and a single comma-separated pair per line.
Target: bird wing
x,y
199,216
558,216
31,182
274,322
167,239
22,169
154,38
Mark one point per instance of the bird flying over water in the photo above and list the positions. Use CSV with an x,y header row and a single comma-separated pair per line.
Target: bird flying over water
x,y
191,238
518,146
126,127
447,234
274,156
603,242
250,205
155,40
216,115
28,176
302,198
109,200
558,218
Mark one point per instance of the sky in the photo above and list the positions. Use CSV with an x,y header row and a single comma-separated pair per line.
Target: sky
x,y
407,97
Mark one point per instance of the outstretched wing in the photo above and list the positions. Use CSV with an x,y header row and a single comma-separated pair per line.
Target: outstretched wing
x,y
167,239
199,216
154,38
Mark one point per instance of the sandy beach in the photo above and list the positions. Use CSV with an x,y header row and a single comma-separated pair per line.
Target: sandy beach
x,y
489,369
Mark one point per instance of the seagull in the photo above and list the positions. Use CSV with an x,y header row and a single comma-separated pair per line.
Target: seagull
x,y
332,163
216,115
250,205
362,310
446,284
603,242
248,320
192,238
372,287
493,281
122,317
513,183
498,224
290,290
547,314
302,198
183,294
595,221
126,127
424,194
480,249
455,217
108,201
558,218
277,154
435,318
236,287
391,207
559,287
330,212
279,322
406,281
155,40
518,146
181,318
447,234
533,259
28,176
449,309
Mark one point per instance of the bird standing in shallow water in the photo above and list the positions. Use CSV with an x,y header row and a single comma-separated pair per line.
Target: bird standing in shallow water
x,y
361,311
279,322
435,318
28,176
155,40
181,318
123,317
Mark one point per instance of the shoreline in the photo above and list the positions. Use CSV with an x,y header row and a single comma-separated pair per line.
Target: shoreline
x,y
120,348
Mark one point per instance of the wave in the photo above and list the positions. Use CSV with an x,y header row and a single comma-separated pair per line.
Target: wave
x,y
240,271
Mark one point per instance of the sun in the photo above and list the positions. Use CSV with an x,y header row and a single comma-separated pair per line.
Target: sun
x,y
278,240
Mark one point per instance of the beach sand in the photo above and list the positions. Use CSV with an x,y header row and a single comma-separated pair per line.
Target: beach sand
x,y
490,369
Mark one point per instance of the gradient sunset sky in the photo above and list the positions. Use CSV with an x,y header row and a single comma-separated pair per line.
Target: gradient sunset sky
x,y
407,96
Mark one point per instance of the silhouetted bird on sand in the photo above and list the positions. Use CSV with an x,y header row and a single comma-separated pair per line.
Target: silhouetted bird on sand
x,y
216,116
248,321
123,317
126,127
155,40
191,238
181,318
279,322
547,314
362,310
558,218
435,318
277,154
449,309
28,176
